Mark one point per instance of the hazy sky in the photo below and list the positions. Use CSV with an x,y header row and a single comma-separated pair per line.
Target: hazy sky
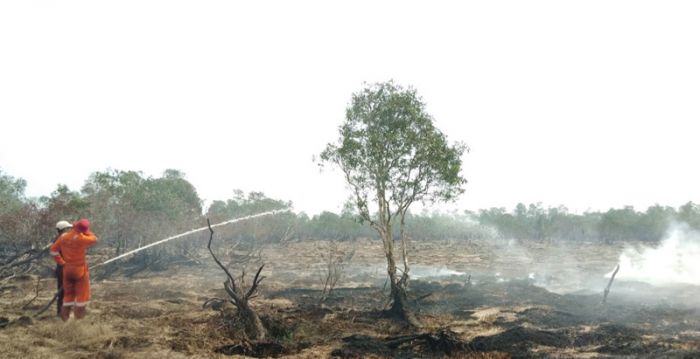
x,y
591,104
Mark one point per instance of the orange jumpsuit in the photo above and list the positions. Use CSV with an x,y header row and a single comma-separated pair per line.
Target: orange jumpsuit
x,y
69,252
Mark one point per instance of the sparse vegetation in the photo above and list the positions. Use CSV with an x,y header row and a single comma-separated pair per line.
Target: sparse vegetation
x,y
324,295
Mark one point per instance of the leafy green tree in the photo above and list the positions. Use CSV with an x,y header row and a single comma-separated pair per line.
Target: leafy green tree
x,y
257,231
439,226
244,205
393,156
652,224
172,197
111,211
11,193
18,215
690,213
330,226
129,210
618,224
62,204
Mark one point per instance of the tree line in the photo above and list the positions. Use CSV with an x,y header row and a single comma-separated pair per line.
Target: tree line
x,y
535,222
129,209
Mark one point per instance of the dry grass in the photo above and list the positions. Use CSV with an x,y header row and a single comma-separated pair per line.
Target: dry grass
x,y
490,314
56,339
160,315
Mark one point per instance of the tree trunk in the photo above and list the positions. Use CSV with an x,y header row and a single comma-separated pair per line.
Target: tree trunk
x,y
404,250
399,306
253,325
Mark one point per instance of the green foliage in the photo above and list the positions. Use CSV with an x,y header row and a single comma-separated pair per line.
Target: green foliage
x,y
260,230
241,205
172,196
130,210
328,225
17,214
440,226
629,225
392,154
534,222
690,213
62,204
11,193
528,222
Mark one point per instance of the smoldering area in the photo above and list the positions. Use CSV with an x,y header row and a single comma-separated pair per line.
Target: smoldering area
x,y
519,297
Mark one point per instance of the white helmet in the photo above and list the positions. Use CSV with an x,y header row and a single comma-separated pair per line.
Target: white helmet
x,y
61,225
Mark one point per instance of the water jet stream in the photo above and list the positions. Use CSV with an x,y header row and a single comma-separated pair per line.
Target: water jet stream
x,y
55,296
188,233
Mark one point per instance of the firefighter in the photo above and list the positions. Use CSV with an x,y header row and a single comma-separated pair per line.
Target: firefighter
x,y
69,252
61,227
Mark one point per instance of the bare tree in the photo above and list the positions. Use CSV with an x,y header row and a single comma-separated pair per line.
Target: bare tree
x,y
334,261
240,297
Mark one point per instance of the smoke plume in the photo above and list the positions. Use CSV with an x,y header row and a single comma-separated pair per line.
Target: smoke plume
x,y
676,260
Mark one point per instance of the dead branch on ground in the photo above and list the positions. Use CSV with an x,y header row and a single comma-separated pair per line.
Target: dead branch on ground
x,y
443,340
48,305
36,294
417,300
20,263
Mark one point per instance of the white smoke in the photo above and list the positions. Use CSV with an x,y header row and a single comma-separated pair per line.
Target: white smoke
x,y
422,271
676,260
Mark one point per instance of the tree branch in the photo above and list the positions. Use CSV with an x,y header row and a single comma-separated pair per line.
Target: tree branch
x,y
228,274
254,286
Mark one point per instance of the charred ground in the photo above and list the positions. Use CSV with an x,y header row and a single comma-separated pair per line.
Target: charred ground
x,y
506,300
